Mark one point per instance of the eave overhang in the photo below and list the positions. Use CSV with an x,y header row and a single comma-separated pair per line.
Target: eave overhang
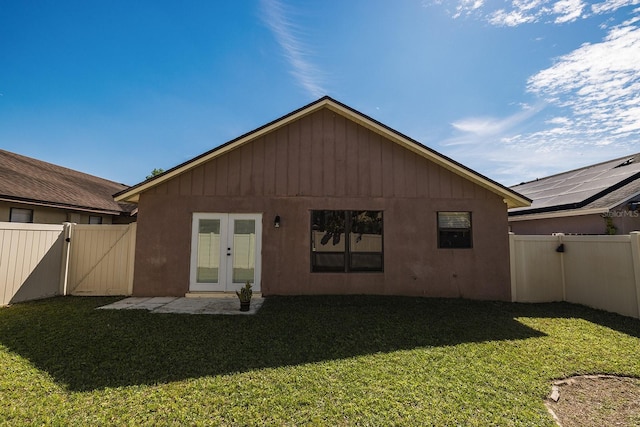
x,y
510,197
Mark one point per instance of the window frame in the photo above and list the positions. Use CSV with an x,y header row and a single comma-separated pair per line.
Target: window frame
x,y
347,253
99,218
469,230
12,219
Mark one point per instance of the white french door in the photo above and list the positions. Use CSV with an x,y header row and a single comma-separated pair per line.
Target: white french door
x,y
225,251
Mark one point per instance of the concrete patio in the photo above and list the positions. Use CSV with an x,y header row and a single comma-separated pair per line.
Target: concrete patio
x,y
224,304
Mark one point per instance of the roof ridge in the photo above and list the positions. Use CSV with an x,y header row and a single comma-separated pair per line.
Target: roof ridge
x,y
623,158
510,195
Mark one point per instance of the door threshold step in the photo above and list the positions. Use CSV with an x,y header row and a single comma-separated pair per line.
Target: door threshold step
x,y
219,294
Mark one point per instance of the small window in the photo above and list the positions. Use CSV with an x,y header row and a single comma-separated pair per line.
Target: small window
x,y
21,215
454,230
95,219
346,241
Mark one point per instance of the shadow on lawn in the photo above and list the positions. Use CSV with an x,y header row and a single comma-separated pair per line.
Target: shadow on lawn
x,y
89,349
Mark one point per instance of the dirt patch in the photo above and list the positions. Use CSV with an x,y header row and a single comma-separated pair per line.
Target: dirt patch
x,y
596,400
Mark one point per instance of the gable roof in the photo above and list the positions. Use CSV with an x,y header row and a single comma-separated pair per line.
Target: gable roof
x,y
27,180
595,188
511,197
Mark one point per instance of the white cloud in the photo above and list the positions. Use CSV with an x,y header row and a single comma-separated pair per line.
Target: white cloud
x,y
599,84
510,19
478,126
498,147
559,121
474,127
517,157
467,6
568,10
597,87
288,36
518,12
488,130
612,5
592,98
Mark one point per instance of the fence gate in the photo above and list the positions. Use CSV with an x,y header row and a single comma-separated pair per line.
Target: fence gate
x,y
30,261
41,260
101,260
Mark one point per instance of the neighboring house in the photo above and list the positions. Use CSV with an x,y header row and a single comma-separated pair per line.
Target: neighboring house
x,y
597,199
324,200
35,191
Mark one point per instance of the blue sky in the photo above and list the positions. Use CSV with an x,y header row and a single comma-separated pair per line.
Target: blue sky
x,y
514,89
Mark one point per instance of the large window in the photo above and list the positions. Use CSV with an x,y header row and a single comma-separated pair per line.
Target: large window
x,y
21,215
454,230
346,241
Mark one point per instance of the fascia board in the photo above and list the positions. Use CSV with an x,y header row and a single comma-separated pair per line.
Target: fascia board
x,y
511,198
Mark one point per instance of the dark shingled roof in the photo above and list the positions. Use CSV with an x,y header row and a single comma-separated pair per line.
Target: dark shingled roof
x,y
28,180
603,185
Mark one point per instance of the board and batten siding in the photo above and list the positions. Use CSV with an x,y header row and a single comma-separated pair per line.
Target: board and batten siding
x,y
322,155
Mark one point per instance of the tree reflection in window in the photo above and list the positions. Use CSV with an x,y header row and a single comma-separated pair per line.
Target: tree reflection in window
x,y
344,241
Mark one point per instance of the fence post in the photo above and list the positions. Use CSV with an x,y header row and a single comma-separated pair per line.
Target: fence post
x,y
512,267
66,251
635,254
563,275
133,228
562,271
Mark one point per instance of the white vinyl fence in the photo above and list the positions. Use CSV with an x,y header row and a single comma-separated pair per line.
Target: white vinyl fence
x,y
39,261
30,261
598,271
101,260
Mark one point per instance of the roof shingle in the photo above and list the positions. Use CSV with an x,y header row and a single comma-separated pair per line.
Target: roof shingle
x,y
30,180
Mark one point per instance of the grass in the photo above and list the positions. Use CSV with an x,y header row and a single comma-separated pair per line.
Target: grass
x,y
302,361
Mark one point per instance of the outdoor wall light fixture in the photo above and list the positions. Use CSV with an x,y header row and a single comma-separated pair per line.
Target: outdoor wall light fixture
x,y
276,221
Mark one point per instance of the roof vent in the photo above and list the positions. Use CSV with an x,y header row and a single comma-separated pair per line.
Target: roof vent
x,y
626,162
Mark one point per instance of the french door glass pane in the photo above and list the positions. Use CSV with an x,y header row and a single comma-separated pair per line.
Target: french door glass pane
x,y
208,251
244,238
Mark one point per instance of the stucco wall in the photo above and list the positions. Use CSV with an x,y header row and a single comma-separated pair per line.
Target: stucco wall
x,y
324,161
580,224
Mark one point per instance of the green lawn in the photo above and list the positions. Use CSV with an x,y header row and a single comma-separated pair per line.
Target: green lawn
x,y
302,361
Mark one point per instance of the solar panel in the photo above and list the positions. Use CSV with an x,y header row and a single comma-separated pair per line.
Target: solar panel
x,y
578,185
